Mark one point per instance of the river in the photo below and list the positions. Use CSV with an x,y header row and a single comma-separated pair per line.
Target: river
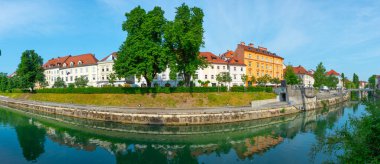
x,y
44,138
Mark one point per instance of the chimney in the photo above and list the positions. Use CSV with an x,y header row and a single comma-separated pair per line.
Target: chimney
x,y
250,45
242,43
263,48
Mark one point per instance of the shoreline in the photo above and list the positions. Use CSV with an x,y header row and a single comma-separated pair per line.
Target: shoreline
x,y
170,116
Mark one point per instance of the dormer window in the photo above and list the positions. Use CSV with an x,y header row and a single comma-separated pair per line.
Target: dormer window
x,y
71,64
79,63
64,65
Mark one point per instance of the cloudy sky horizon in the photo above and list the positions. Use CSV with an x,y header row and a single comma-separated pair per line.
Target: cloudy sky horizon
x,y
343,35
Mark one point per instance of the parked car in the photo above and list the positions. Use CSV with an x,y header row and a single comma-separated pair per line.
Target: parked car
x,y
324,88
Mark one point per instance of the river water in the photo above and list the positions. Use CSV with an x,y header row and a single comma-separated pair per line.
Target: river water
x,y
42,138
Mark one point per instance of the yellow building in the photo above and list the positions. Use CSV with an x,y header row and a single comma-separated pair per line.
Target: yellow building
x,y
260,61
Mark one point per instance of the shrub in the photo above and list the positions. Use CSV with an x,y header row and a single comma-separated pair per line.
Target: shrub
x,y
251,89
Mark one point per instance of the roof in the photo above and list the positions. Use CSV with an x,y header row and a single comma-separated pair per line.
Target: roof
x,y
86,59
212,58
332,72
231,58
260,50
55,62
113,54
235,61
228,54
301,70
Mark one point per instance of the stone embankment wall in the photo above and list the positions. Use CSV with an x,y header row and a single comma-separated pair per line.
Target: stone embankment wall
x,y
232,115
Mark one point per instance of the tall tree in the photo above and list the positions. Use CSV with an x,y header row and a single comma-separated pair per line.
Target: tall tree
x,y
343,78
372,81
224,77
331,81
30,69
142,53
184,38
355,80
291,77
319,75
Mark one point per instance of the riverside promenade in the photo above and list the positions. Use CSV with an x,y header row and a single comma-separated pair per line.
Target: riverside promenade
x,y
166,116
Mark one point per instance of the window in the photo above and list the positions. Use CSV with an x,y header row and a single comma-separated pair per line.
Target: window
x,y
212,67
249,56
196,76
258,65
212,76
102,69
102,77
86,70
250,64
217,67
71,64
66,79
258,57
234,76
64,65
258,74
234,68
241,68
107,69
205,76
79,63
76,70
224,67
71,78
81,70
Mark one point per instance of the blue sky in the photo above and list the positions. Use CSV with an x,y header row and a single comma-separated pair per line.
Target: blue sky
x,y
344,35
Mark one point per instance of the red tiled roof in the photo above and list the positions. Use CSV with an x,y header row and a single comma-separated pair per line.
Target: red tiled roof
x,y
236,61
211,58
332,72
228,54
86,59
260,50
52,63
114,54
301,70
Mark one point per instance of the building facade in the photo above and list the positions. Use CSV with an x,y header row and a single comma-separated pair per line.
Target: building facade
x,y
259,61
305,76
70,67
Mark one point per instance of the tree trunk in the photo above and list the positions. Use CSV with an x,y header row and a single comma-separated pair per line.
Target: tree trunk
x,y
187,79
148,82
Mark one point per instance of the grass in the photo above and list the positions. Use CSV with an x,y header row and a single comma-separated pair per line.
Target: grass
x,y
176,100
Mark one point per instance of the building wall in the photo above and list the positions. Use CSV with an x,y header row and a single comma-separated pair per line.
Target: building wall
x,y
307,80
210,72
259,65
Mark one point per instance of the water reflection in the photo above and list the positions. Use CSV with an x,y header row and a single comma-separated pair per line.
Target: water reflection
x,y
145,144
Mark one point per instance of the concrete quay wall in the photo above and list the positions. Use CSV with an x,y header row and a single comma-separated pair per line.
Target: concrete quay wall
x,y
233,115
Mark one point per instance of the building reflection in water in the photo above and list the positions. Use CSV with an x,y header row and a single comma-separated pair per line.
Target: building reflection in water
x,y
254,138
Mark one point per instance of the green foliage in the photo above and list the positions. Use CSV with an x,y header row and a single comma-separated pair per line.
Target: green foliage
x,y
180,83
244,78
184,38
223,77
81,82
30,70
361,140
372,81
204,83
143,53
343,77
112,78
331,81
3,82
263,80
319,76
275,80
59,83
282,110
291,77
355,80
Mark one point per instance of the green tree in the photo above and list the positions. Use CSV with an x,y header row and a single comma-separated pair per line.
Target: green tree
x,y
263,80
30,69
291,77
59,83
372,81
252,79
343,78
331,81
319,75
81,82
275,81
184,38
224,77
3,82
244,78
355,80
112,79
143,53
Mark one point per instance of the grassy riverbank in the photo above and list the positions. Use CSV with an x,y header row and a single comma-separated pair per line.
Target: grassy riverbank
x,y
178,100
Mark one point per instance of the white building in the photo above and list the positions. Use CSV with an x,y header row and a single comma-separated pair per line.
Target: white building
x,y
305,76
71,67
216,66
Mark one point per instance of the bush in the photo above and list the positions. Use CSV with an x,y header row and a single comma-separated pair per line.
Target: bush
x,y
133,90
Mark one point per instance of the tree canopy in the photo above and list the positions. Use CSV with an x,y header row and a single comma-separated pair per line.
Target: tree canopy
x,y
184,38
224,77
355,80
59,83
319,75
331,81
81,82
30,69
291,77
143,53
372,81
263,80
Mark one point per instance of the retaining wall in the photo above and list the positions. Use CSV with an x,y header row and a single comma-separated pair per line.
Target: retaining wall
x,y
233,115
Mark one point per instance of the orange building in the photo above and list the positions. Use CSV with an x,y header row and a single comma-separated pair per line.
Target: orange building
x,y
260,61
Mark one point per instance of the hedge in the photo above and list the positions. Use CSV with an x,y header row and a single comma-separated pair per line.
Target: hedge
x,y
138,90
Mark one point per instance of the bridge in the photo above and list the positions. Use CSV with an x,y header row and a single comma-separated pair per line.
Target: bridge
x,y
362,89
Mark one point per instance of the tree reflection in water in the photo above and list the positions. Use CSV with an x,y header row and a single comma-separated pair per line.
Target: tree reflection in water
x,y
246,138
